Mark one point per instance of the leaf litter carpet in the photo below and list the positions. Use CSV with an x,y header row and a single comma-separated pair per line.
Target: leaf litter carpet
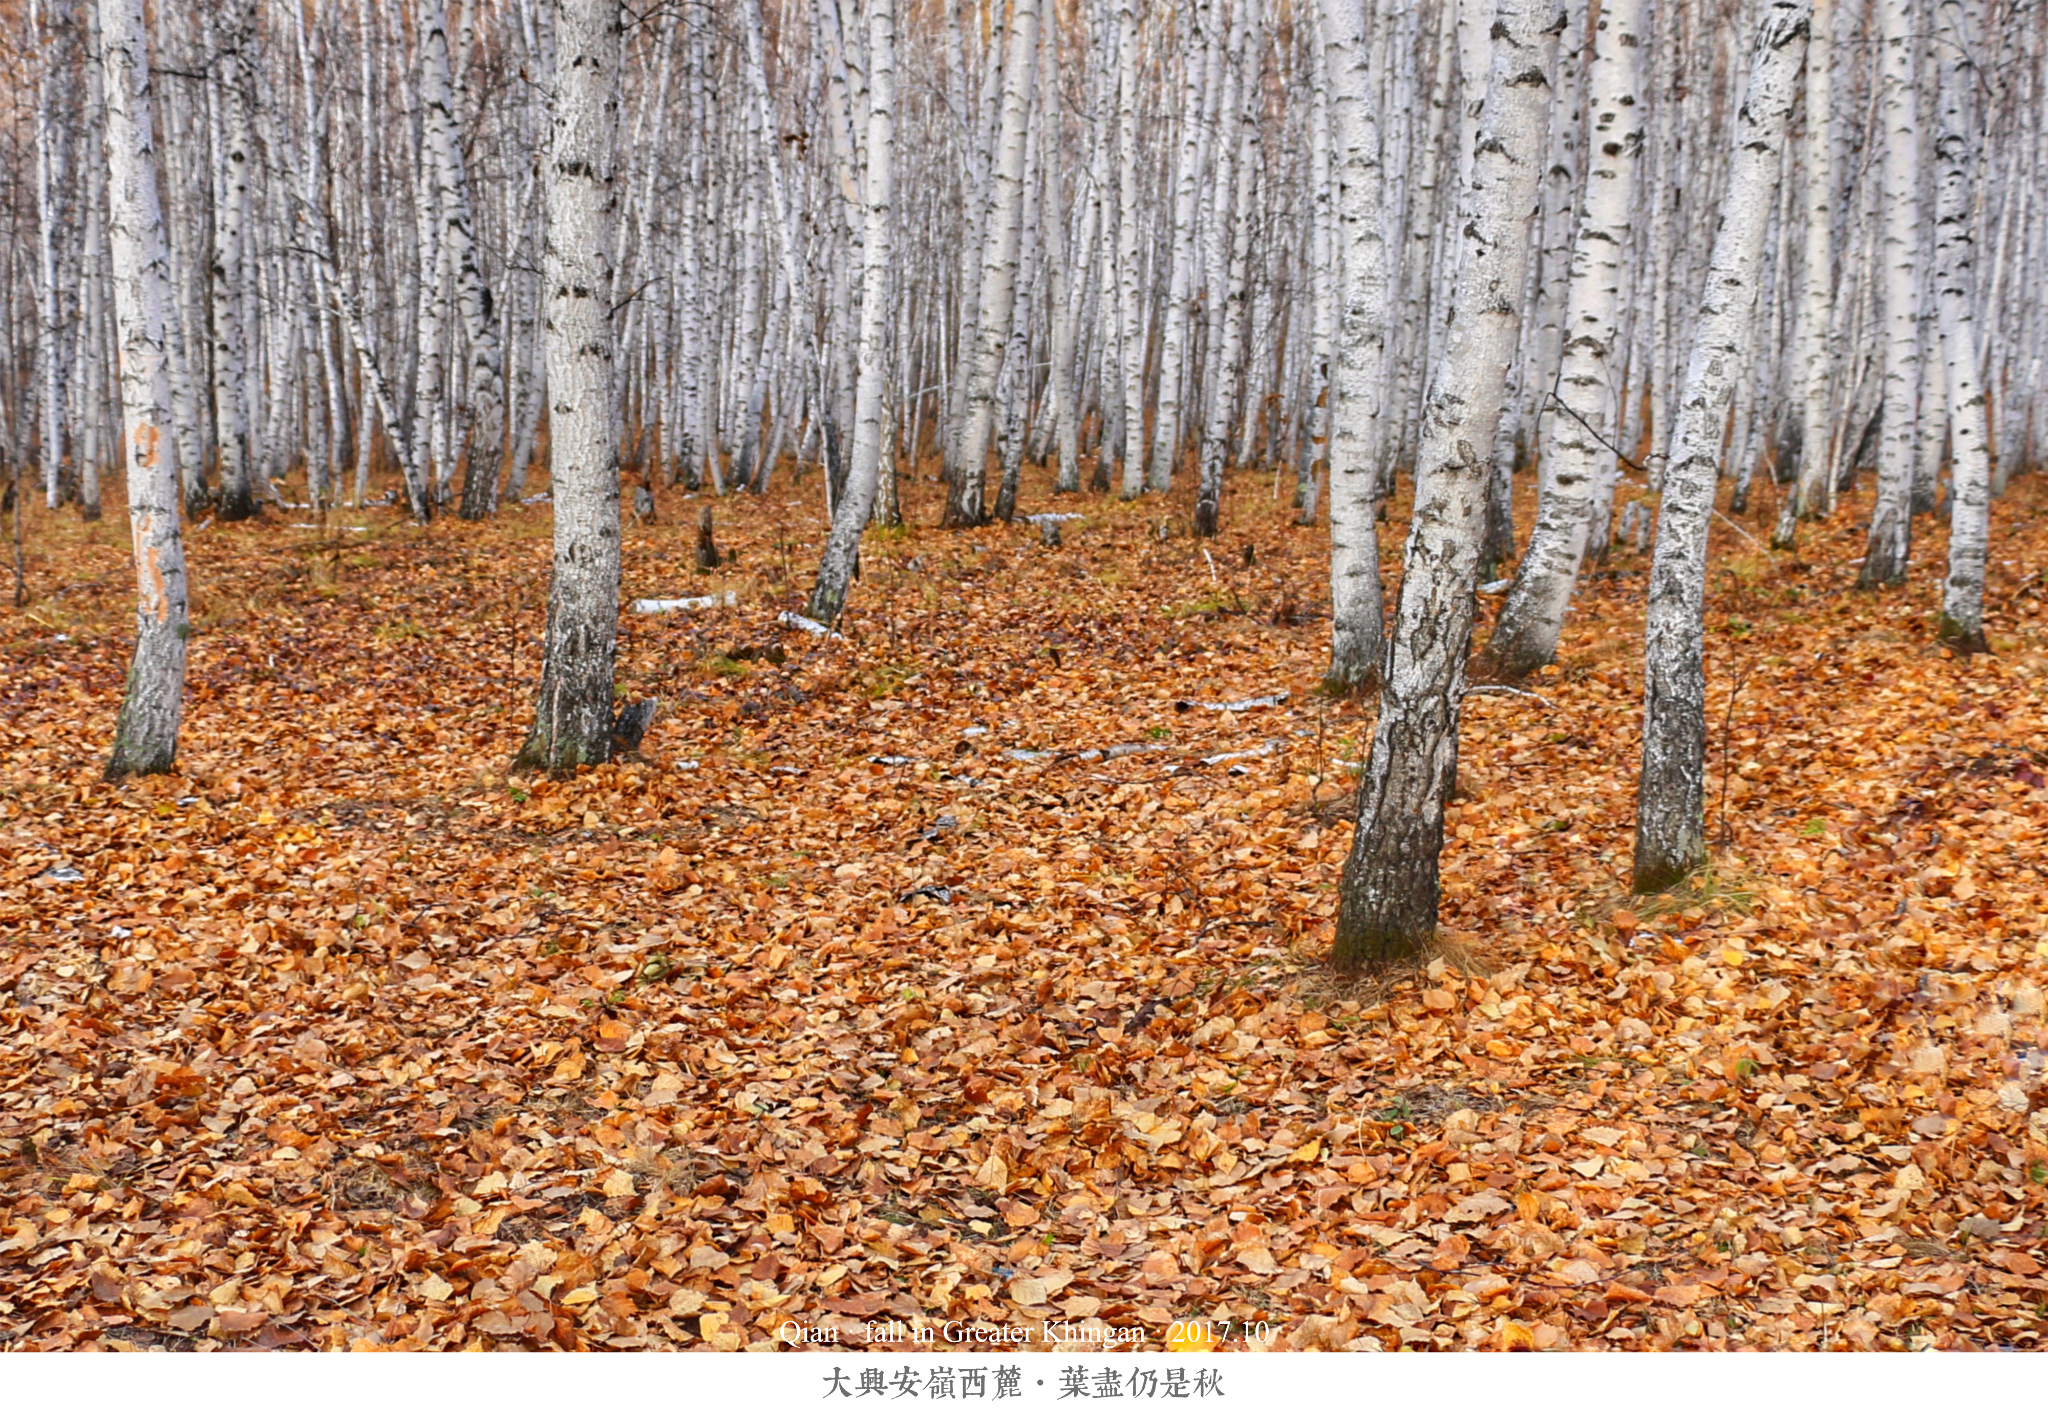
x,y
970,967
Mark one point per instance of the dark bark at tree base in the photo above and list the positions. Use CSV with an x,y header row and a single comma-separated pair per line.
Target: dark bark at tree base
x,y
1963,641
708,557
235,505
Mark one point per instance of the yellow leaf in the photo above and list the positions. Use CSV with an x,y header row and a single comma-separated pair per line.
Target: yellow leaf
x,y
435,1287
1733,957
1192,1337
577,1298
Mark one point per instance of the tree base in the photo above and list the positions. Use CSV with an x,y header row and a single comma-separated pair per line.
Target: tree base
x,y
1963,641
1655,875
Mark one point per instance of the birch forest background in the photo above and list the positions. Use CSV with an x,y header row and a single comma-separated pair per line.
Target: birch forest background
x,y
1370,672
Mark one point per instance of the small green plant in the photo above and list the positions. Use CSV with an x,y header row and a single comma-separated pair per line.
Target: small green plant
x,y
519,796
1814,828
1158,733
722,665
2038,1172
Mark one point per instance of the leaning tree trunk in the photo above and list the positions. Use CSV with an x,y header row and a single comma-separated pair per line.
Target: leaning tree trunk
x,y
850,515
1356,615
1955,279
146,736
572,723
1891,518
1388,896
1671,830
1577,440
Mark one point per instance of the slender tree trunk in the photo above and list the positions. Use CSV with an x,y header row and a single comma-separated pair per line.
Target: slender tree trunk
x,y
1812,494
231,413
1131,337
1955,261
146,736
1356,387
1576,439
572,722
1891,518
1671,795
967,476
1388,895
851,514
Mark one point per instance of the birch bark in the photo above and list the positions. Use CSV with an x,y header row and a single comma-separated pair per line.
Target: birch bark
x,y
1356,613
842,548
1670,796
967,477
1891,528
1955,259
572,722
230,279
146,735
1576,438
1813,492
1389,891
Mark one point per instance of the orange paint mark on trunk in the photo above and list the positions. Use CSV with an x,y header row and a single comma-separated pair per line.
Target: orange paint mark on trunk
x,y
148,444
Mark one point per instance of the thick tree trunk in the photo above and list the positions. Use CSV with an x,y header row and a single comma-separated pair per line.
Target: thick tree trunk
x,y
1389,891
572,722
850,516
146,736
1577,439
1671,834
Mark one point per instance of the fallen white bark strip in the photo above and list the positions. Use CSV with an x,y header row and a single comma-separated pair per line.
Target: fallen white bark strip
x,y
805,624
1249,703
683,604
1255,753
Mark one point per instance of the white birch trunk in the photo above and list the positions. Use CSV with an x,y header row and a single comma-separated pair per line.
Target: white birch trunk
x,y
1389,892
146,736
573,709
1670,797
1891,528
1576,439
967,475
1357,384
1812,495
850,517
1955,262
1130,333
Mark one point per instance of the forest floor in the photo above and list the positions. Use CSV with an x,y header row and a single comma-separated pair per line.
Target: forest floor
x,y
968,968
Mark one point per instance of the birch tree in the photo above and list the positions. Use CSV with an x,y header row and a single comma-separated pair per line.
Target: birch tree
x,y
851,515
1578,440
1356,385
1670,795
1955,263
967,474
1891,526
146,734
1388,894
1812,365
572,722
